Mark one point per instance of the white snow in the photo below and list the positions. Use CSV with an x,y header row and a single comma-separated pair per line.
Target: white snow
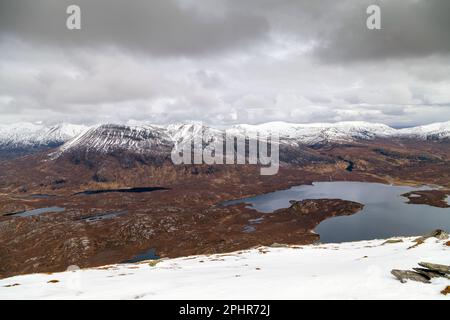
x,y
289,133
109,137
357,270
319,132
439,130
31,134
134,136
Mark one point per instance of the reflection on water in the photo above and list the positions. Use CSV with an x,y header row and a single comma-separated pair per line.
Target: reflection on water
x,y
386,213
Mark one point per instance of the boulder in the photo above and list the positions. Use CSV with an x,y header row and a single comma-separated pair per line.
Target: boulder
x,y
430,273
404,275
436,267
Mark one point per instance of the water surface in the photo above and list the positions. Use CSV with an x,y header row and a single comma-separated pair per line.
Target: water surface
x,y
128,190
386,213
37,212
103,216
148,255
41,196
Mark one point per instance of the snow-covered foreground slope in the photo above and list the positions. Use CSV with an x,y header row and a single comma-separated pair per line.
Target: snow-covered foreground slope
x,y
358,270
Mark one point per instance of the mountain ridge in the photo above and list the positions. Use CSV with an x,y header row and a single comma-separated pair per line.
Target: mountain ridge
x,y
144,137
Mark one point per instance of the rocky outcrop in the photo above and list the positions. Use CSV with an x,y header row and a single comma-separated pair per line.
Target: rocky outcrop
x,y
404,275
428,270
436,267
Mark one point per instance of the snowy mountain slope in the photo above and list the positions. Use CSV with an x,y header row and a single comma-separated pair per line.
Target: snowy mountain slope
x,y
142,138
23,135
110,137
186,132
357,270
180,134
435,131
321,132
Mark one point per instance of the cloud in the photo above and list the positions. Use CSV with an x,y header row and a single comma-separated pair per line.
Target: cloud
x,y
224,62
410,28
157,27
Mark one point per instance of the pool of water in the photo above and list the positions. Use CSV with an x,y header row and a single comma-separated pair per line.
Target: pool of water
x,y
103,216
386,213
41,196
37,212
129,190
148,255
249,229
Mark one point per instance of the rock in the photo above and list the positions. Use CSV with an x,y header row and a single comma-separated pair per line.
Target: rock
x,y
404,275
153,263
436,267
438,234
430,273
391,241
53,281
279,245
72,268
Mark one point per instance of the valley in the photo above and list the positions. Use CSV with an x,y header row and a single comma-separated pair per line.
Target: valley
x,y
92,175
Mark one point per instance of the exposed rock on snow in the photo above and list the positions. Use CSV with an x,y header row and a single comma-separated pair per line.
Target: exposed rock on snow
x,y
404,275
435,267
429,273
425,274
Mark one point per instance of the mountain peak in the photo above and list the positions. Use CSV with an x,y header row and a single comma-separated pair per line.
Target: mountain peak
x,y
141,137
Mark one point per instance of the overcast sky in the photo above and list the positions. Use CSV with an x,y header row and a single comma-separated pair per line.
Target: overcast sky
x,y
225,61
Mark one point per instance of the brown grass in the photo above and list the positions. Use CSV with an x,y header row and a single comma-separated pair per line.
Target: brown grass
x,y
446,291
102,186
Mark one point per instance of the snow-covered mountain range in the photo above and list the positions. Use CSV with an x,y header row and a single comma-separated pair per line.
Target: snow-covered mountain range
x,y
24,134
143,137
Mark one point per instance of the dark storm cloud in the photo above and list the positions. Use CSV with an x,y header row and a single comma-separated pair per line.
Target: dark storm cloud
x,y
162,27
410,28
413,28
